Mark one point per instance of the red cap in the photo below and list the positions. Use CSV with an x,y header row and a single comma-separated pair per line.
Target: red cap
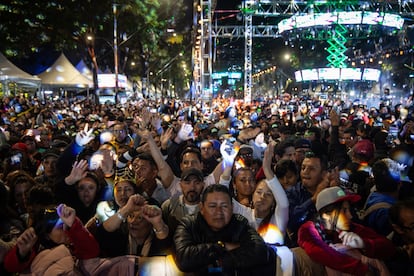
x,y
20,146
365,148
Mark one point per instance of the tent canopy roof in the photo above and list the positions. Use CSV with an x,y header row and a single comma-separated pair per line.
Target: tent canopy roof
x,y
10,72
63,74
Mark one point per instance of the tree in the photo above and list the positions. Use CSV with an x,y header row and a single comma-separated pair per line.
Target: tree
x,y
29,27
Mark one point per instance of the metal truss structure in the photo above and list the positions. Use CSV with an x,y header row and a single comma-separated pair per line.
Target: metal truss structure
x,y
269,9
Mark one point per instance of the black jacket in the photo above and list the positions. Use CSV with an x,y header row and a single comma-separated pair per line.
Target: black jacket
x,y
197,250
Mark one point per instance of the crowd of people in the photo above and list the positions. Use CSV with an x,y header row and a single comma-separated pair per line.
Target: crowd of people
x,y
284,186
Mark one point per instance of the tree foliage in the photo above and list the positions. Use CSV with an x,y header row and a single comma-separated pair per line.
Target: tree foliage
x,y
29,27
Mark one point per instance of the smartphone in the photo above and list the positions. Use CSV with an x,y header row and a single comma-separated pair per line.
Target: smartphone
x,y
16,159
393,131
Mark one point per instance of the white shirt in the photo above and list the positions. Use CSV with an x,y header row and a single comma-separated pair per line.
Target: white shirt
x,y
278,219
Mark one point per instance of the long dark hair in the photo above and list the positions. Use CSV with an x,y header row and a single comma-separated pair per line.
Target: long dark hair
x,y
232,190
266,220
319,222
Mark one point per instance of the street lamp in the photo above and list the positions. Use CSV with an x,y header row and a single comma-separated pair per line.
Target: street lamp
x,y
90,42
114,9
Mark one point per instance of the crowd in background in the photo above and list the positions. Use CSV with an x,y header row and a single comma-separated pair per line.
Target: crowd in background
x,y
326,184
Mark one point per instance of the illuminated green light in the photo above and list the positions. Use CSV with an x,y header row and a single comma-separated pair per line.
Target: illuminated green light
x,y
337,48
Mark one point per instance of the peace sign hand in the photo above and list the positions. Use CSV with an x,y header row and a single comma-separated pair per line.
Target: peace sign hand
x,y
84,136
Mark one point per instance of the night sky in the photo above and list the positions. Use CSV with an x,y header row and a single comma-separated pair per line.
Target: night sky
x,y
227,4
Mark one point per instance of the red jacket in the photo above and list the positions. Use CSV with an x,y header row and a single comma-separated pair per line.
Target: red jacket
x,y
83,246
376,246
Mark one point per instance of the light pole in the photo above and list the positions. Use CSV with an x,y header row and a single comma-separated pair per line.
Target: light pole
x,y
90,42
114,10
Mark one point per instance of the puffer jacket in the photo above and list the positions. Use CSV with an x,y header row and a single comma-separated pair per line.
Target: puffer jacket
x,y
197,250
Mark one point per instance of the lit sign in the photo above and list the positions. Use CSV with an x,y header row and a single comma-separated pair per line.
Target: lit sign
x,y
351,73
346,18
369,74
328,73
298,76
108,80
230,75
350,17
310,74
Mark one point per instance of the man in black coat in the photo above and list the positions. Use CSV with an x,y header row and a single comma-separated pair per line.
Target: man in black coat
x,y
217,241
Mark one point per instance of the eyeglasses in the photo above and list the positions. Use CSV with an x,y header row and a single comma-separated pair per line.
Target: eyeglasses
x,y
119,131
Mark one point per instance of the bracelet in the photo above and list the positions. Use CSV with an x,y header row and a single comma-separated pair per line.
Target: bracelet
x,y
120,216
162,230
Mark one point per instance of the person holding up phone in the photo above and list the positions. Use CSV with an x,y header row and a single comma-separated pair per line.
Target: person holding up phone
x,y
51,228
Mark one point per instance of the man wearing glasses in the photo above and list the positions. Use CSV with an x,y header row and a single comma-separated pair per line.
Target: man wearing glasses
x,y
121,135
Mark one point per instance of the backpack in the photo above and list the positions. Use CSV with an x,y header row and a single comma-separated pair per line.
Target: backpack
x,y
362,214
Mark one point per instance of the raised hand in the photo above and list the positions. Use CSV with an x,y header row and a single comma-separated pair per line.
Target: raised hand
x,y
228,152
267,160
67,214
334,117
156,121
142,182
145,134
26,241
333,177
143,148
134,203
185,133
84,136
146,117
153,214
78,172
166,137
108,160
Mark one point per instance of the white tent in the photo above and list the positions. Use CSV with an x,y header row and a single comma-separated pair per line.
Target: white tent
x,y
84,69
11,73
62,74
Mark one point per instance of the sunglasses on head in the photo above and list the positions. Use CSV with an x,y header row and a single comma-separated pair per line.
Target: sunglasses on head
x,y
310,154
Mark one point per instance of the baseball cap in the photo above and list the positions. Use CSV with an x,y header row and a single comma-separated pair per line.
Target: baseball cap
x,y
303,143
299,118
52,152
365,148
333,195
185,175
275,125
19,146
246,148
214,130
27,137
